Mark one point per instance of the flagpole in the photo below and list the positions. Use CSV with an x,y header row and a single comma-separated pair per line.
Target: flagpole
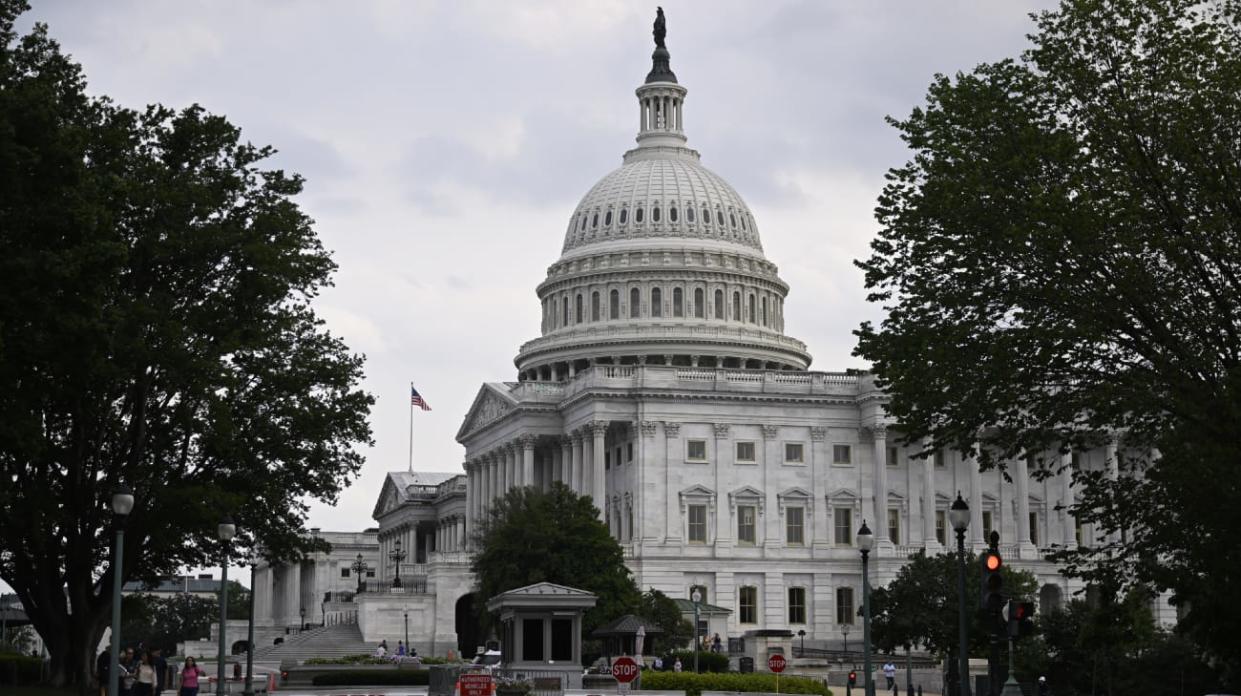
x,y
411,429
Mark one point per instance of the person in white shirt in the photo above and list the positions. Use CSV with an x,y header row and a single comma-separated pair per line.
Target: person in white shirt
x,y
889,673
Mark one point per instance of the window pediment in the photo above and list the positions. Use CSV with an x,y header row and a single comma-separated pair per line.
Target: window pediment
x,y
697,495
746,495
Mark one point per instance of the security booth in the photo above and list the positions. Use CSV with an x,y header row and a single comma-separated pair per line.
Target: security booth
x,y
541,632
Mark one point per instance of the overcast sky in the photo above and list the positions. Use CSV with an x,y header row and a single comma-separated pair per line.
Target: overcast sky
x,y
446,144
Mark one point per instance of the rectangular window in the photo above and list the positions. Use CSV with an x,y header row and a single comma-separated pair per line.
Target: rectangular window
x,y
370,573
344,572
797,605
1034,528
842,454
894,525
1077,531
629,523
894,456
745,452
844,526
532,639
748,604
629,452
745,524
697,524
987,526
939,459
941,531
696,450
562,640
795,526
794,453
844,605
607,460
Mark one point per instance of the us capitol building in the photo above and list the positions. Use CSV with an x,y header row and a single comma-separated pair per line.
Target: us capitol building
x,y
663,384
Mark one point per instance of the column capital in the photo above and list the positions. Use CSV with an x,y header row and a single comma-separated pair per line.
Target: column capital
x,y
771,432
648,428
526,442
671,429
598,428
818,433
878,431
721,430
565,440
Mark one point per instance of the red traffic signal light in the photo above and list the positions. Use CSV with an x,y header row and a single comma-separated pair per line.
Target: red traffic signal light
x,y
992,561
852,678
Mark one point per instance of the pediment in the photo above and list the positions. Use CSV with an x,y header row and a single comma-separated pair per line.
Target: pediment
x,y
842,495
697,491
796,492
389,500
490,405
746,493
541,589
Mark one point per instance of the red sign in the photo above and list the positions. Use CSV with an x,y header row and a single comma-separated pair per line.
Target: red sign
x,y
475,684
624,669
775,663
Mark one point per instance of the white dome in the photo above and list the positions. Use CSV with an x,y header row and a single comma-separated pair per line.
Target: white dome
x,y
660,195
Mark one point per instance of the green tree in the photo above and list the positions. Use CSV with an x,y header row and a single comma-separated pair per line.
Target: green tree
x,y
166,621
1060,261
553,536
156,330
664,612
920,606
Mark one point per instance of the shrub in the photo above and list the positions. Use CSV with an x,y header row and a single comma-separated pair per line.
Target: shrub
x,y
19,669
694,684
396,677
349,660
707,661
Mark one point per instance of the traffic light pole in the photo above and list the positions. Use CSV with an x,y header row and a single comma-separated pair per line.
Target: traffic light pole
x,y
1011,687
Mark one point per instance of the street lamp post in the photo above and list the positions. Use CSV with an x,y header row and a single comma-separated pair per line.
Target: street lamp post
x,y
225,530
396,555
844,631
301,612
122,505
801,633
249,690
359,569
865,540
959,516
696,596
407,650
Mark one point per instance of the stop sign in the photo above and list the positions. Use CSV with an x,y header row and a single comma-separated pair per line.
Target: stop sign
x,y
776,663
624,669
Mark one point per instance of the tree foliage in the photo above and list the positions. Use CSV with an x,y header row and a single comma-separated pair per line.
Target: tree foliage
x,y
164,621
920,606
553,536
156,329
1060,263
664,612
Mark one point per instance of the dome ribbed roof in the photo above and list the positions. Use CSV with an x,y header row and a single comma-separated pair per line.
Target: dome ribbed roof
x,y
673,192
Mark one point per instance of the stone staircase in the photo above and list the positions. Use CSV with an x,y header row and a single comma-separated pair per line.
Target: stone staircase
x,y
329,641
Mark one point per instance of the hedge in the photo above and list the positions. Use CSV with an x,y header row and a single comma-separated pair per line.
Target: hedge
x,y
395,677
707,661
19,669
694,684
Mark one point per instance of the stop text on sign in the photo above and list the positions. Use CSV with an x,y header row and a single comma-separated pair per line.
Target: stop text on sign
x,y
625,669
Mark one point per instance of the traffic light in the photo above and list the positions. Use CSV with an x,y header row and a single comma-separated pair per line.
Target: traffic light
x,y
852,678
992,599
1020,618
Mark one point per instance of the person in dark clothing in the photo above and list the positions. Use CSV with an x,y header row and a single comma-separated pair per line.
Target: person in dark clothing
x,y
102,664
161,668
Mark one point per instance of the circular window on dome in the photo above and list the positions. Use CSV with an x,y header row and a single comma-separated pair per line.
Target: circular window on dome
x,y
672,214
624,216
637,216
655,214
607,219
594,221
689,214
706,216
719,216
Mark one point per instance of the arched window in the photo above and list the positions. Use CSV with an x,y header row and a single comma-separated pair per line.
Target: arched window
x,y
594,221
678,302
637,215
751,310
655,214
689,214
614,304
577,309
719,217
583,225
672,214
635,303
742,222
719,304
657,303
594,306
706,216
736,306
607,219
733,218
764,311
565,321
699,310
624,216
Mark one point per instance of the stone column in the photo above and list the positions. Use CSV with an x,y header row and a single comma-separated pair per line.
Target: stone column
x,y
489,481
599,429
976,530
527,461
673,510
1022,476
879,433
928,501
575,465
768,531
471,492
564,467
1068,522
511,452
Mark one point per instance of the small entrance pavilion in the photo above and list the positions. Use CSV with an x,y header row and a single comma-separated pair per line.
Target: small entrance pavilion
x,y
541,631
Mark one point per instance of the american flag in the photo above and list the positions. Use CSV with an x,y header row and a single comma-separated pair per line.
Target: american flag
x,y
415,399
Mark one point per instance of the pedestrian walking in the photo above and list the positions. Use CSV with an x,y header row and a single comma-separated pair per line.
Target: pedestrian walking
x,y
676,666
1043,690
125,681
889,673
659,663
400,648
717,645
189,677
144,676
103,664
161,669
